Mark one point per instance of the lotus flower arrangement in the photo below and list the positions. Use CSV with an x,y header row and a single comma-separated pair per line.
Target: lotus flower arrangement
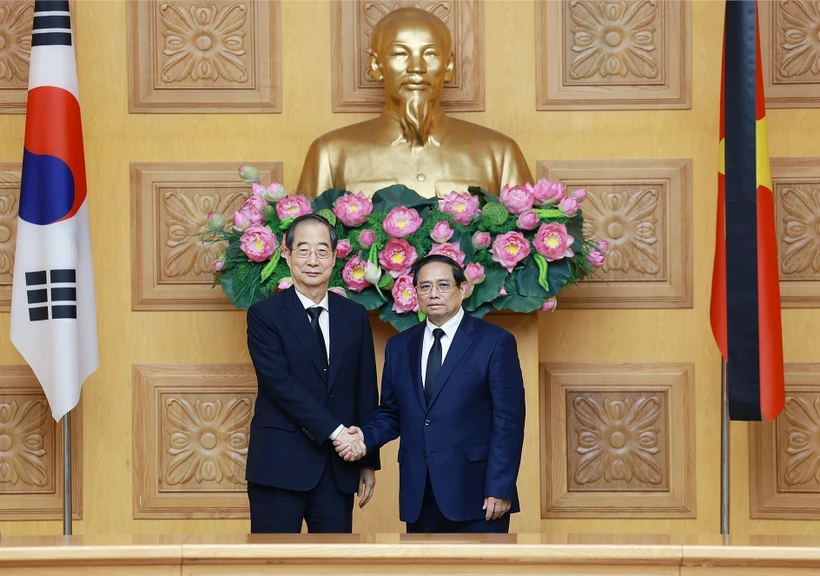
x,y
519,249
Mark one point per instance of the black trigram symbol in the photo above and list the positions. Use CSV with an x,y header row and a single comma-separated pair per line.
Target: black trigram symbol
x,y
63,298
52,23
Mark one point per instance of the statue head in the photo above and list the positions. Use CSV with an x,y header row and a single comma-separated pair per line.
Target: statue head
x,y
412,55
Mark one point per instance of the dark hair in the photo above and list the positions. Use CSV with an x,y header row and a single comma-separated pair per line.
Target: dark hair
x,y
458,272
307,218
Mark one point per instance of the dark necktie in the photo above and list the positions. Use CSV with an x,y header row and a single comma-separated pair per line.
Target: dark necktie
x,y
314,312
433,365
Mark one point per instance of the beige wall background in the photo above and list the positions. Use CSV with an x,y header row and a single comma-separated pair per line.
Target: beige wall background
x,y
677,342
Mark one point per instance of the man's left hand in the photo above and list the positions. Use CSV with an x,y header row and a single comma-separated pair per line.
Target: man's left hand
x,y
367,484
496,507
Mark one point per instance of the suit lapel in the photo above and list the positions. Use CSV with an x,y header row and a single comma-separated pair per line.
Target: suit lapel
x,y
337,336
414,351
300,324
461,342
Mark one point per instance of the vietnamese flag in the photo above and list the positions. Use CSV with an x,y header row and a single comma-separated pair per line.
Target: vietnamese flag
x,y
745,307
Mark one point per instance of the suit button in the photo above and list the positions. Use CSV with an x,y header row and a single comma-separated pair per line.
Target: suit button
x,y
330,395
426,422
424,454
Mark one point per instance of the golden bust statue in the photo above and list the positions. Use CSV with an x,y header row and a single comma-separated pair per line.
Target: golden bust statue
x,y
412,142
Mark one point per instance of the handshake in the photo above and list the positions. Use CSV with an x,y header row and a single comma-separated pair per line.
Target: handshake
x,y
350,444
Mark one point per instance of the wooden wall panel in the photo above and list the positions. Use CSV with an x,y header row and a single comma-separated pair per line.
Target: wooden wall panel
x,y
790,52
191,428
16,19
9,205
211,57
643,208
634,54
116,138
784,456
172,267
796,183
31,451
618,441
352,23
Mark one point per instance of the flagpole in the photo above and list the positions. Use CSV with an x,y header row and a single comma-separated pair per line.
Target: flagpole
x,y
724,450
67,474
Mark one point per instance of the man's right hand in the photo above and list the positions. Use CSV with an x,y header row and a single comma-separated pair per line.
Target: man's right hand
x,y
350,444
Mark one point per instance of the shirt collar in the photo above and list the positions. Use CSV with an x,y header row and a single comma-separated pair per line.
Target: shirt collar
x,y
308,303
450,327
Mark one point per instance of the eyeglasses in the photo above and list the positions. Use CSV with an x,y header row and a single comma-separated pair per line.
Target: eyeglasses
x,y
321,253
427,287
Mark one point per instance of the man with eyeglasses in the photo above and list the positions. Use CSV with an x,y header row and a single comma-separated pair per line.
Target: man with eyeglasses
x,y
312,351
452,389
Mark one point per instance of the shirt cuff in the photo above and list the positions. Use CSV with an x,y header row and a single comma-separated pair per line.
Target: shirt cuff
x,y
336,432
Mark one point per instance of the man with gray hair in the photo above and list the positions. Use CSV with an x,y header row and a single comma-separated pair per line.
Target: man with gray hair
x,y
312,351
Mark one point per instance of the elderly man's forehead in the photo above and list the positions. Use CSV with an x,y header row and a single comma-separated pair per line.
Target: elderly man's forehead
x,y
311,233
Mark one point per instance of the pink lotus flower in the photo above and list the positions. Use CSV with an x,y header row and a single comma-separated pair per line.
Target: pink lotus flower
x,y
285,283
469,290
255,209
343,249
603,246
338,290
462,206
502,292
548,193
441,232
353,274
218,265
528,220
452,251
569,206
580,194
509,249
517,199
258,243
353,209
596,258
397,257
240,221
549,304
272,193
404,295
475,273
481,240
553,242
293,207
401,222
366,238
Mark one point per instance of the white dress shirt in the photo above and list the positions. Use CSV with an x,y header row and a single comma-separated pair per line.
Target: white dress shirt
x,y
324,326
449,328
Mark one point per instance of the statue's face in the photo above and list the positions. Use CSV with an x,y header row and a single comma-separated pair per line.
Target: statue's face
x,y
413,59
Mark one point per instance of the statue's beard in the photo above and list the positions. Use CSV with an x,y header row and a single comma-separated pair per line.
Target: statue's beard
x,y
416,119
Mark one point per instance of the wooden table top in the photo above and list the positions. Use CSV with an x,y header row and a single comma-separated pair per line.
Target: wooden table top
x,y
713,550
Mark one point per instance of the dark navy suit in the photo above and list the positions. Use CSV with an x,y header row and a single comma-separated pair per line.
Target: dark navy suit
x,y
293,471
466,444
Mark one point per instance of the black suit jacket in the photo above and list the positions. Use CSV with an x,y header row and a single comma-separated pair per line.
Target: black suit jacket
x,y
299,404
